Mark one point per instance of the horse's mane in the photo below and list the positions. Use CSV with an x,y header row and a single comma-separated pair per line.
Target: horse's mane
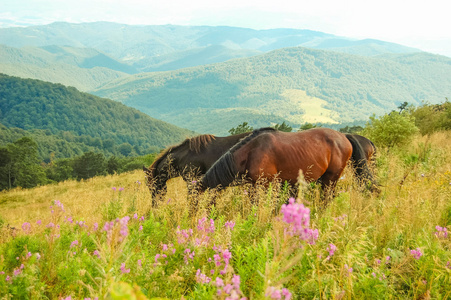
x,y
198,142
245,140
224,170
194,144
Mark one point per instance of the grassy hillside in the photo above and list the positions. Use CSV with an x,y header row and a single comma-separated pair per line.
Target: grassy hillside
x,y
32,104
394,245
286,83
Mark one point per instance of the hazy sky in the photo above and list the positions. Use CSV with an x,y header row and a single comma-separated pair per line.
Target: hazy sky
x,y
421,24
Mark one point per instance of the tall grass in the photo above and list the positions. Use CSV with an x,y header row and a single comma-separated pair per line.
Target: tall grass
x,y
101,238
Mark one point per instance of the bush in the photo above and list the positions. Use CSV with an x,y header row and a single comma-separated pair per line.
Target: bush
x,y
390,130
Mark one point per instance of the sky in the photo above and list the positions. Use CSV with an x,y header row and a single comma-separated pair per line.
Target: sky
x,y
420,24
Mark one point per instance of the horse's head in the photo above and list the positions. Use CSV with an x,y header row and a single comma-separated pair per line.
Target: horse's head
x,y
159,173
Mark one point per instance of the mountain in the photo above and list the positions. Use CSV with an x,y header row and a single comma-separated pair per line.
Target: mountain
x,y
79,117
169,47
83,68
293,84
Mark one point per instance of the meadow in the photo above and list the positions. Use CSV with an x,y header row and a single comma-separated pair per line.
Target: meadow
x,y
101,238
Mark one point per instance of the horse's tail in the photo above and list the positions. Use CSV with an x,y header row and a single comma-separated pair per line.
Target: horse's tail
x,y
360,163
224,171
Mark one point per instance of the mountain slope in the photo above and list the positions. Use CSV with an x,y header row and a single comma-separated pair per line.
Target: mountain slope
x,y
286,83
82,68
32,104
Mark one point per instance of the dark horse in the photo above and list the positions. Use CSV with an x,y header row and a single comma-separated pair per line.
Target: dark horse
x,y
321,154
191,158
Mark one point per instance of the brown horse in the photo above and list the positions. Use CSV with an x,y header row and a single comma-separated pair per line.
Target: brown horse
x,y
367,145
191,158
320,153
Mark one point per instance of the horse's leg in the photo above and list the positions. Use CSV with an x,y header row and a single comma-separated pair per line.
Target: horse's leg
x,y
328,181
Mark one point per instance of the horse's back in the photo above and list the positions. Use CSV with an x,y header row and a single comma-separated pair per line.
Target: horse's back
x,y
313,151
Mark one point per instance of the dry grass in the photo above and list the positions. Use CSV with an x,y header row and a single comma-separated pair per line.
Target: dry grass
x,y
415,197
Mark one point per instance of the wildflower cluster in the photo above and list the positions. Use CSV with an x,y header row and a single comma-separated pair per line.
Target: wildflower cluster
x,y
416,253
442,232
331,249
274,293
230,290
298,216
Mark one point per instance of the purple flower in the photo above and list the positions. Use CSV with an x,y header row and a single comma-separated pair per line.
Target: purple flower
x,y
26,227
298,216
348,270
416,253
229,224
331,249
74,244
38,222
442,232
202,278
96,253
188,255
275,293
123,269
50,225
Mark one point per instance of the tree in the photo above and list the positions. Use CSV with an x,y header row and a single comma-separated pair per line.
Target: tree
x,y
351,129
242,128
307,126
88,165
20,165
403,106
125,149
391,129
283,127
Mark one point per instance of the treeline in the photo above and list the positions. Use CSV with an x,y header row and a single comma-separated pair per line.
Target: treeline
x,y
20,165
66,144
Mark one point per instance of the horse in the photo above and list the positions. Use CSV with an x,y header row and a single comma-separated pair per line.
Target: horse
x,y
367,145
189,159
320,153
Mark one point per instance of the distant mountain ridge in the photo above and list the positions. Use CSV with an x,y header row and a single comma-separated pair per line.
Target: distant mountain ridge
x,y
142,46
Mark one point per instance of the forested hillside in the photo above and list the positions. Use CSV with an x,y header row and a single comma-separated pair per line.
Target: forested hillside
x,y
63,114
293,84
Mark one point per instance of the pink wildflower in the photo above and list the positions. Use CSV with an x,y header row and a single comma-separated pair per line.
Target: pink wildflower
x,y
202,278
442,232
298,216
74,244
26,227
123,269
416,253
348,270
331,249
229,224
188,255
